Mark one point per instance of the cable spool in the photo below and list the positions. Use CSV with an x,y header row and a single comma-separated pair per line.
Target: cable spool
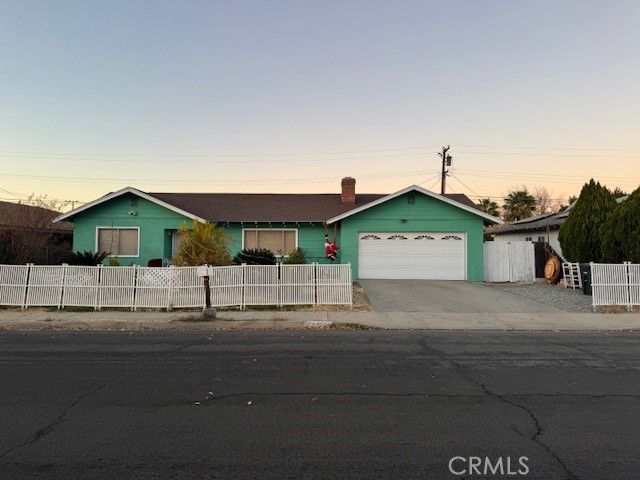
x,y
552,270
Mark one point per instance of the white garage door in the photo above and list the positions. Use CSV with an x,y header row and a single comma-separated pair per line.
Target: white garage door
x,y
429,256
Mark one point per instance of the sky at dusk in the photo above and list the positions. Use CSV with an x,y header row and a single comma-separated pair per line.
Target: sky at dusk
x,y
290,96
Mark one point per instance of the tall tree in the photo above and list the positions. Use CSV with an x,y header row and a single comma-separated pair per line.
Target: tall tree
x,y
28,234
518,204
545,203
580,233
620,234
489,206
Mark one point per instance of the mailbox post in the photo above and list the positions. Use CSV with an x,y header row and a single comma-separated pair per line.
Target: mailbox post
x,y
204,271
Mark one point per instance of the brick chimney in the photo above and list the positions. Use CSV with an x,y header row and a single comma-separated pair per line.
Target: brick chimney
x,y
348,196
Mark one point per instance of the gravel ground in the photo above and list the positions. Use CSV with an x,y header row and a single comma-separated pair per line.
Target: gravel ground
x,y
559,297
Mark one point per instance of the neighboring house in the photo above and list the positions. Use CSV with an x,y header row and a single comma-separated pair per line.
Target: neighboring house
x,y
542,228
413,233
31,236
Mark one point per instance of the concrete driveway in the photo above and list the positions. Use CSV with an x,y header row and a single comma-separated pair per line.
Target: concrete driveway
x,y
446,297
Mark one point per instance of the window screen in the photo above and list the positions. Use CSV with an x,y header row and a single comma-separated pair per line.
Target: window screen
x,y
118,241
280,242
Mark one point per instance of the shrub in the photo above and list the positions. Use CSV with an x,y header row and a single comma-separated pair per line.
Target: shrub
x,y
254,256
579,236
86,258
202,244
6,247
296,257
620,234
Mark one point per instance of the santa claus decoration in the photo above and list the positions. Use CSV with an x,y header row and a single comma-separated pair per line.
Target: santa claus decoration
x,y
330,248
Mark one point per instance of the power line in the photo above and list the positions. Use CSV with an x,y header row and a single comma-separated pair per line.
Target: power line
x,y
275,154
429,179
602,149
462,183
124,159
335,152
271,181
551,155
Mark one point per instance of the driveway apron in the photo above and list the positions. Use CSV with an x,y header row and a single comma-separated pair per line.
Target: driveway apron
x,y
446,297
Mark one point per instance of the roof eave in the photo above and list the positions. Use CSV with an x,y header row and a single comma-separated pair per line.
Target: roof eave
x,y
485,216
121,192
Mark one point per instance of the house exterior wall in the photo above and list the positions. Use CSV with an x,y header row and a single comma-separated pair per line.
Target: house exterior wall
x,y
310,237
522,236
154,222
425,215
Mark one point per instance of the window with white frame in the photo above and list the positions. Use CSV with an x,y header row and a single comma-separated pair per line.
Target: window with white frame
x,y
280,241
119,242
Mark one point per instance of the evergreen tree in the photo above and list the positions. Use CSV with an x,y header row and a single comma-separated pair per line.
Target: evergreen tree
x,y
580,233
620,234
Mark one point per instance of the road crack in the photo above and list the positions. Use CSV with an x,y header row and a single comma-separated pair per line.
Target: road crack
x,y
504,398
43,432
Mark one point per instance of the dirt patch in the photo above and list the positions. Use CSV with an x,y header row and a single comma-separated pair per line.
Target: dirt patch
x,y
360,303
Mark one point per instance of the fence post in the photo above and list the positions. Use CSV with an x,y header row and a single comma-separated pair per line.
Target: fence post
x,y
207,290
135,288
26,286
244,286
315,283
170,292
96,304
627,271
279,284
350,283
64,280
593,295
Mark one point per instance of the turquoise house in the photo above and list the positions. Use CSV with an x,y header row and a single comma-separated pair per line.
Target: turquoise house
x,y
409,234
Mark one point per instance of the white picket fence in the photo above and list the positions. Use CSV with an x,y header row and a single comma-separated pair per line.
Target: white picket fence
x,y
509,262
173,287
615,284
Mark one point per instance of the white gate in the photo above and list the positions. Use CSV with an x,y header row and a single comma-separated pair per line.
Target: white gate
x,y
509,262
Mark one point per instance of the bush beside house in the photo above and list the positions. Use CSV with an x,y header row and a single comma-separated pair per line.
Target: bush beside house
x,y
600,229
580,234
620,234
203,244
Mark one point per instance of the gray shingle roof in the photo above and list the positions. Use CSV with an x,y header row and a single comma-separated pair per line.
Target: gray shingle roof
x,y
540,222
258,207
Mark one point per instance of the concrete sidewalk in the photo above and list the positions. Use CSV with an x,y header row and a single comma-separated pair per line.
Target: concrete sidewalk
x,y
36,319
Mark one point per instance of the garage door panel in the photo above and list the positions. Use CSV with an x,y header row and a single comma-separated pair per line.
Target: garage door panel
x,y
421,255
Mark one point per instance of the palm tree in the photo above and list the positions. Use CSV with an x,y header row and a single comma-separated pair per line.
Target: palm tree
x,y
489,206
518,205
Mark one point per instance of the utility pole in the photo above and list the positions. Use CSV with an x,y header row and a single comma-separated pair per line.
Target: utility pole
x,y
446,162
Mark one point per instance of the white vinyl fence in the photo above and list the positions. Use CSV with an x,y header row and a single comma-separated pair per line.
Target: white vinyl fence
x,y
509,262
173,287
615,284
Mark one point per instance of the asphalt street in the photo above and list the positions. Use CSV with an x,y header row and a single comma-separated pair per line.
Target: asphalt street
x,y
319,404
